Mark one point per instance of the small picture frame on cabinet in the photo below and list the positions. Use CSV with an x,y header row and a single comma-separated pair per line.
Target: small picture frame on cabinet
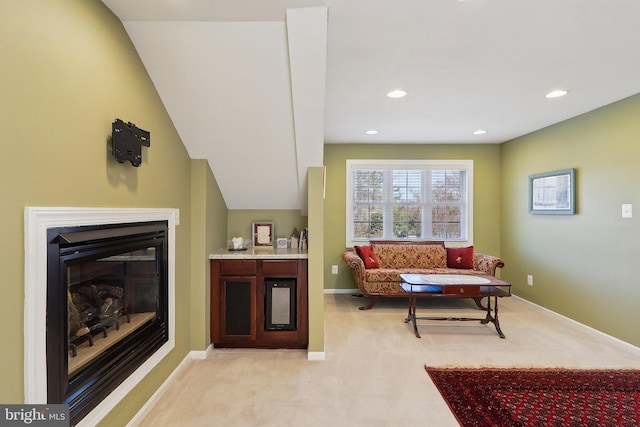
x,y
262,234
281,243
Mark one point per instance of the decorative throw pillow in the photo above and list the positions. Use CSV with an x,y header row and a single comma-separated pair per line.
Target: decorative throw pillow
x,y
368,256
460,257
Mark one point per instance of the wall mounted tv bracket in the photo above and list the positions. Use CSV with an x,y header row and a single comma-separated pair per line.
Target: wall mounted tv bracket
x,y
127,141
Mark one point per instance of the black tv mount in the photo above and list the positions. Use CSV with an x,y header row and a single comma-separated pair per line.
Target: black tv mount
x,y
127,141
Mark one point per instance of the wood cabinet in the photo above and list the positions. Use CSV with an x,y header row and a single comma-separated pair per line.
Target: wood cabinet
x,y
241,298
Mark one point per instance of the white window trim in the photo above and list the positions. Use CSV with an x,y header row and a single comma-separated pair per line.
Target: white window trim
x,y
408,164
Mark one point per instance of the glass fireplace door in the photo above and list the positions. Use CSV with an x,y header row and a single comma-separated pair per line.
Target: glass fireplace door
x,y
109,299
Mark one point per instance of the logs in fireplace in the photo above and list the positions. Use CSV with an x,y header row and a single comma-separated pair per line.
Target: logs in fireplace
x,y
107,308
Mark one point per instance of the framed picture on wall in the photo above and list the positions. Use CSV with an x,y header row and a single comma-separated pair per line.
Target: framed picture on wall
x,y
553,193
262,234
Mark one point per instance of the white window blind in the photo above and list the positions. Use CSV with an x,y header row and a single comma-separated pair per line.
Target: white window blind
x,y
410,199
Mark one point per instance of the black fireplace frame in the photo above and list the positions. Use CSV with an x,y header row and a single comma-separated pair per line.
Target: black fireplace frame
x,y
71,245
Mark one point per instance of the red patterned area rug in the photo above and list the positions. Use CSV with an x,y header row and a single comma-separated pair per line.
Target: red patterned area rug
x,y
540,397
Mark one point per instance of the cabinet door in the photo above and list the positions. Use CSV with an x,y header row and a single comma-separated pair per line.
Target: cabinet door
x,y
238,308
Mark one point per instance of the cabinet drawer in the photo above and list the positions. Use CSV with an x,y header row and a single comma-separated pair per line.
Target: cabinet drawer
x,y
461,290
238,268
289,267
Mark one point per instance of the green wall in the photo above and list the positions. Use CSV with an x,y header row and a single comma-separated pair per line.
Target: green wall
x,y
584,266
486,215
316,260
68,70
209,233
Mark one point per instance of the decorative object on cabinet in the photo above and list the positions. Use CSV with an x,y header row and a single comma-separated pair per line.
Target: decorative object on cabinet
x,y
553,193
295,238
238,244
127,141
281,243
262,234
304,239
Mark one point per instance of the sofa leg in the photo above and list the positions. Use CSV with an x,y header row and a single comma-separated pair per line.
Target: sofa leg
x,y
478,302
372,301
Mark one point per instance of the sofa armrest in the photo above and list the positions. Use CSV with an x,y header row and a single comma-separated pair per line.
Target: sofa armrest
x,y
356,264
487,263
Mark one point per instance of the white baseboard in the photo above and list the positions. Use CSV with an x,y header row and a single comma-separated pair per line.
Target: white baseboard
x,y
316,356
201,355
604,335
148,407
341,291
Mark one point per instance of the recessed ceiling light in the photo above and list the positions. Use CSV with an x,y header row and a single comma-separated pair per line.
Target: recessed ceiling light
x,y
556,93
480,132
398,93
371,132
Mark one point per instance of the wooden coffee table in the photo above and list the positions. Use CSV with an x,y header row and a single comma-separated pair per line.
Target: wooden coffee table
x,y
455,286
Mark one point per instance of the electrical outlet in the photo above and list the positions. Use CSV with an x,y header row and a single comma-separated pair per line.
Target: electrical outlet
x,y
334,269
529,280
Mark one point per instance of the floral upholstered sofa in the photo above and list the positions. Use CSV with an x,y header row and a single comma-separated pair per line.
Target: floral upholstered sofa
x,y
376,268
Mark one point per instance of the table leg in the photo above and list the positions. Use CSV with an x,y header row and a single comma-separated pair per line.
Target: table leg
x,y
408,318
493,318
411,315
488,318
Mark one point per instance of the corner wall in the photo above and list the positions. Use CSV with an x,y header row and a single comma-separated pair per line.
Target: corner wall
x,y
585,266
209,219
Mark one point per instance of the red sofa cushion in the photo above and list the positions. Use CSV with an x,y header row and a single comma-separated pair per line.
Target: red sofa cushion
x,y
460,257
368,256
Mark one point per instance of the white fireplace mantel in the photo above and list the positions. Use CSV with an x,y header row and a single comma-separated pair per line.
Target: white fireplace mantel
x,y
37,221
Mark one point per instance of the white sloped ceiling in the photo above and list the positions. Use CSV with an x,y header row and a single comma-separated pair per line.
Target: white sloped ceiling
x,y
246,96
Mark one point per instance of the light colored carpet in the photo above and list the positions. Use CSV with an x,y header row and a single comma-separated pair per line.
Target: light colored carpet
x,y
374,373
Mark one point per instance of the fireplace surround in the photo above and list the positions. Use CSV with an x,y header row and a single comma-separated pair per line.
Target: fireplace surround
x,y
140,239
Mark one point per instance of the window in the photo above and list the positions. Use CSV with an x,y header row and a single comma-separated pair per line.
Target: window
x,y
409,199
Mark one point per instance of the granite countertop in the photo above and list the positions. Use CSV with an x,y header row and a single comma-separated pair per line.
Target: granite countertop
x,y
260,253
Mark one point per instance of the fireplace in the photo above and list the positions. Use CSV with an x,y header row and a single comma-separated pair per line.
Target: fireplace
x,y
106,308
108,305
